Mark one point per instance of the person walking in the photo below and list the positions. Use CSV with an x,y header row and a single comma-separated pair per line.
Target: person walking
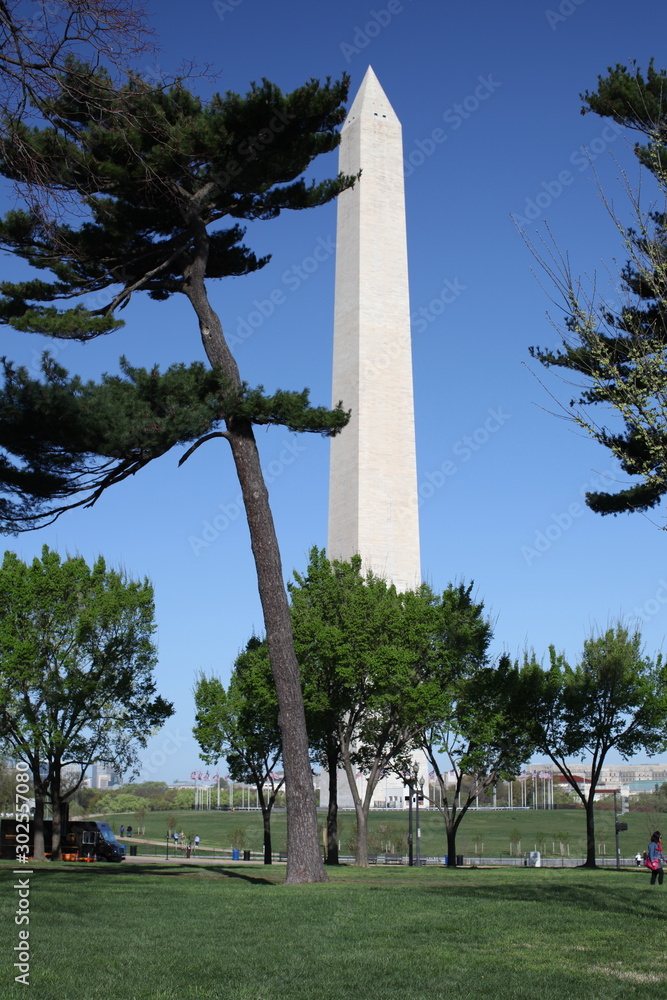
x,y
656,857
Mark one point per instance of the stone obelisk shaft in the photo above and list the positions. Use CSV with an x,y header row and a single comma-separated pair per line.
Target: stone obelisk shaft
x,y
373,503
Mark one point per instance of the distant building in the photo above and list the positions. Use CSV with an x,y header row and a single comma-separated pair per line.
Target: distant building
x,y
100,776
630,778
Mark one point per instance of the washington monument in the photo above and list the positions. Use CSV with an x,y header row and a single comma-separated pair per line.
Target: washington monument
x,y
373,504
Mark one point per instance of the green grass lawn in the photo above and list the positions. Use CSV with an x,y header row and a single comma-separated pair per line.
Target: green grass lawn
x,y
168,932
493,830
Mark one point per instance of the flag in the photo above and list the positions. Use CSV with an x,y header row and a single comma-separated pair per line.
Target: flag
x,y
193,776
205,778
216,776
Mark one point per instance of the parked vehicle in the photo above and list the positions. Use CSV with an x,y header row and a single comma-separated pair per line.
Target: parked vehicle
x,y
83,840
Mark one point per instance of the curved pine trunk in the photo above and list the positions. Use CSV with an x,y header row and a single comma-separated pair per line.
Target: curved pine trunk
x,y
304,858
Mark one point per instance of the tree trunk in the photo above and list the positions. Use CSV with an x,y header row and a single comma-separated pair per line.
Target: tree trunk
x,y
54,787
332,811
590,833
304,858
362,835
360,808
38,823
266,819
451,845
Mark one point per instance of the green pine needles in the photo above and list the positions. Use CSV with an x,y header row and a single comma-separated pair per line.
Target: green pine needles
x,y
135,183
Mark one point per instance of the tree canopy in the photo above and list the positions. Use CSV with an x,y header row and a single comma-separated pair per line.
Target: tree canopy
x,y
363,651
479,724
613,699
76,670
149,195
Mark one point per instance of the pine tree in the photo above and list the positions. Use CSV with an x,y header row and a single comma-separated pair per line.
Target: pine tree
x,y
620,351
163,179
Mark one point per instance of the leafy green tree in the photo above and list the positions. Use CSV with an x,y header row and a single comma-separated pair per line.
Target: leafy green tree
x,y
184,798
369,673
320,602
161,180
619,350
76,672
615,698
7,786
484,733
241,724
120,802
140,817
83,801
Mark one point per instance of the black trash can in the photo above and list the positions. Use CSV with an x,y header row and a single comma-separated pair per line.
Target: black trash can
x,y
459,860
246,855
133,850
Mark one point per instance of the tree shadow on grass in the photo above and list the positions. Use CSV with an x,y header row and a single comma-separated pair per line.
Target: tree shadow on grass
x,y
610,894
80,872
213,870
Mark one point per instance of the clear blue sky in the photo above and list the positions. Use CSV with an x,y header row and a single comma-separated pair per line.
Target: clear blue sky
x,y
488,96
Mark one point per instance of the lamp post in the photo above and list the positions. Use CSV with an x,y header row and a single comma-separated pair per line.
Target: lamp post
x,y
167,858
419,798
618,828
412,780
408,781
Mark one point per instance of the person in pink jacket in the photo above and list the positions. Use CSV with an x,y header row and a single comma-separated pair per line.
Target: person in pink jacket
x,y
655,854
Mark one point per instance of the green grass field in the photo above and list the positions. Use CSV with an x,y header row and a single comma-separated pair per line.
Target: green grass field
x,y
481,832
171,932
